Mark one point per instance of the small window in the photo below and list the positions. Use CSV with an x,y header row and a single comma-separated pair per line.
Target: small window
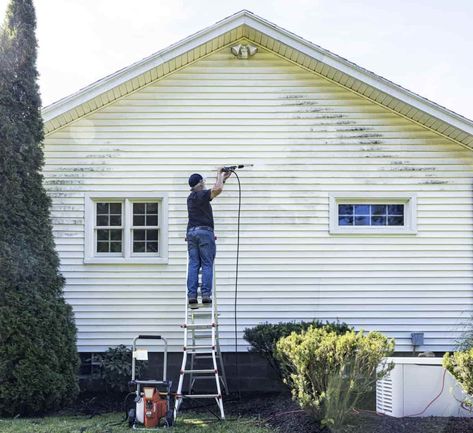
x,y
128,229
371,214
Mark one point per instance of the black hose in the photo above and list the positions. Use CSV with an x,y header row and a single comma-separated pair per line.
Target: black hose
x,y
236,288
125,407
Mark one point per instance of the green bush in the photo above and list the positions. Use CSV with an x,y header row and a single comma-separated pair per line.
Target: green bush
x,y
263,337
460,366
115,368
328,373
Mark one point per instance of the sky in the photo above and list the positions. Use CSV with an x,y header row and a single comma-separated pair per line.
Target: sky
x,y
422,45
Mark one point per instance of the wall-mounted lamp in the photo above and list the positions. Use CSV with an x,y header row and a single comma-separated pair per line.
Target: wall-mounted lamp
x,y
244,51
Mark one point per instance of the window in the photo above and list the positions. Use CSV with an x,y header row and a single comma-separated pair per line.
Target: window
x,y
127,229
372,213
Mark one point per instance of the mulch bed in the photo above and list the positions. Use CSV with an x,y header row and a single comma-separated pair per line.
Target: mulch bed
x,y
284,415
281,414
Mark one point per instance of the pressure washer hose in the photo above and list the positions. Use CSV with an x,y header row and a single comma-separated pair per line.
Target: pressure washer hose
x,y
236,286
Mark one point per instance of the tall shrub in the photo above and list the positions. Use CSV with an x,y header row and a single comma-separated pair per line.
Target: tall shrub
x,y
38,357
329,373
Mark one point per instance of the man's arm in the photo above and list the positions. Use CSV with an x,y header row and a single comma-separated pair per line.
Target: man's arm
x,y
218,187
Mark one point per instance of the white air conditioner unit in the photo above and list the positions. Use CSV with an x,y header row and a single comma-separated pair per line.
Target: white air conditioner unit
x,y
419,387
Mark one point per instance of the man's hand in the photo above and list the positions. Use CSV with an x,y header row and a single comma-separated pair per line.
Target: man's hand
x,y
218,187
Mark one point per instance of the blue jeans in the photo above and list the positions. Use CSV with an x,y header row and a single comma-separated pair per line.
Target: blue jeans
x,y
201,248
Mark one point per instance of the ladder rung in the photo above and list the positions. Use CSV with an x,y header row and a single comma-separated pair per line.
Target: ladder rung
x,y
207,326
201,337
200,396
203,377
206,371
198,312
203,356
199,346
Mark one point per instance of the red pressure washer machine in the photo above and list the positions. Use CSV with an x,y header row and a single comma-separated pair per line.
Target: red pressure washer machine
x,y
153,397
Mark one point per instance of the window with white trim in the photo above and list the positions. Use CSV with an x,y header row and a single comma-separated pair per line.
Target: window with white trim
x,y
373,213
127,229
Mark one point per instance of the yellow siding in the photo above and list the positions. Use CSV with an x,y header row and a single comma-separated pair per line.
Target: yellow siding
x,y
308,138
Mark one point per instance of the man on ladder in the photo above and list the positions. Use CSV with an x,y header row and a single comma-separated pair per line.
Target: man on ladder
x,y
201,343
200,235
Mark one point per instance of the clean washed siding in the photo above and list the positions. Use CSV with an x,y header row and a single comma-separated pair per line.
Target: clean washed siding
x,y
308,138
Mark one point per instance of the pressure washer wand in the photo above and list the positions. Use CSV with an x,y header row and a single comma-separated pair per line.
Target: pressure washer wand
x,y
234,167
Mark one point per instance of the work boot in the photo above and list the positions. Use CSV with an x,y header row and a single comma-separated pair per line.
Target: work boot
x,y
207,300
193,303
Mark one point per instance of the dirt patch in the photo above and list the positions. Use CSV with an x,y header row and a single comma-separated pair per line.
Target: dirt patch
x,y
284,415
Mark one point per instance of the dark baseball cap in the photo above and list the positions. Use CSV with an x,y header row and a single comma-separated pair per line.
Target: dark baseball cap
x,y
194,179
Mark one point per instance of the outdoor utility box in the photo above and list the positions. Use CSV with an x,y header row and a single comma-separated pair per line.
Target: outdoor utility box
x,y
419,387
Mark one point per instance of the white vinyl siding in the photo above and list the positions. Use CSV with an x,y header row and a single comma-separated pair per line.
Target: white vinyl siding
x,y
308,138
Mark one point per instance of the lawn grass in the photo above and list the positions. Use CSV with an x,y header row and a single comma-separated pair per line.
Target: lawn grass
x,y
107,423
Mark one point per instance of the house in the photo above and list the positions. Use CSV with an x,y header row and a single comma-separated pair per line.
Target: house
x,y
358,207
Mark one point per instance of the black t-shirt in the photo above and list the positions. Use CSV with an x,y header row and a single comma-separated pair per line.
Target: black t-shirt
x,y
199,209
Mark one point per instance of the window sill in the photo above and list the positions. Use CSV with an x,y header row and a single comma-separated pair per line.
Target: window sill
x,y
126,261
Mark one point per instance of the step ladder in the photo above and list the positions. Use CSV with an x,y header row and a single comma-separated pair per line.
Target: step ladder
x,y
201,346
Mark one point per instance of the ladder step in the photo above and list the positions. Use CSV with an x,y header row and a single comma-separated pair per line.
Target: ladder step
x,y
201,338
200,396
204,356
203,377
205,371
199,346
207,326
200,312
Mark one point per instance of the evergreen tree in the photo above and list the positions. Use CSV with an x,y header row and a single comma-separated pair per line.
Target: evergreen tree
x,y
38,355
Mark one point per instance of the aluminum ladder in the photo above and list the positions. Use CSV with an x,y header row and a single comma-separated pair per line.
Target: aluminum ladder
x,y
201,343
